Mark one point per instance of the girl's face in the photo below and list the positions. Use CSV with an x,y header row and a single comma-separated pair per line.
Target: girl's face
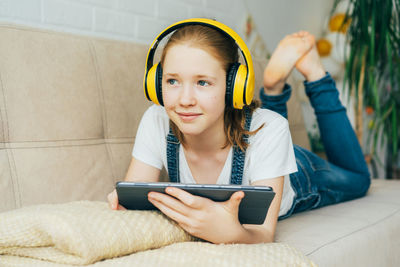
x,y
194,85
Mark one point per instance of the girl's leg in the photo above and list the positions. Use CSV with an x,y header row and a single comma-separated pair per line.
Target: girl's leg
x,y
340,142
278,102
319,182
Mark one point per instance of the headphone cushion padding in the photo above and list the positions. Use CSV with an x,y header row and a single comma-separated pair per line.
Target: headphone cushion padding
x,y
230,79
158,88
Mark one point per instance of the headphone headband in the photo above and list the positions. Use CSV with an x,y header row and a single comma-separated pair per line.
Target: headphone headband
x,y
249,80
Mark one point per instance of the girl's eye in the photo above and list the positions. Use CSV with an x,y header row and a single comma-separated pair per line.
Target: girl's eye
x,y
172,81
203,83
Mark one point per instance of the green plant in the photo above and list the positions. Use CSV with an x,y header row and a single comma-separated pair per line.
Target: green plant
x,y
372,72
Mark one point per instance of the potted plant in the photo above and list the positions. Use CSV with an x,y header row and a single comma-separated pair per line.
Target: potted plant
x,y
372,73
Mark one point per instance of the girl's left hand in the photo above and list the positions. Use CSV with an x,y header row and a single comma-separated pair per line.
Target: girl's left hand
x,y
216,222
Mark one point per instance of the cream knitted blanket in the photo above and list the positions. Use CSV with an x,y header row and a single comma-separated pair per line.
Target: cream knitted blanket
x,y
84,232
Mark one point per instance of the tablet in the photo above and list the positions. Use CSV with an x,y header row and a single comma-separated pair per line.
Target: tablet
x,y
252,210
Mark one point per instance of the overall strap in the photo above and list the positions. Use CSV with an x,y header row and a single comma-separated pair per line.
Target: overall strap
x,y
239,155
173,157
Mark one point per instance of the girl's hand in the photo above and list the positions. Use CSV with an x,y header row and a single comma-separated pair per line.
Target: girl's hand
x,y
216,222
113,201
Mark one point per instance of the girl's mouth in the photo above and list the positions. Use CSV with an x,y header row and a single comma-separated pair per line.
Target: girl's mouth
x,y
188,116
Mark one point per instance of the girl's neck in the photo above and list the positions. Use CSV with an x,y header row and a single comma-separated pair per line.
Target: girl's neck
x,y
209,142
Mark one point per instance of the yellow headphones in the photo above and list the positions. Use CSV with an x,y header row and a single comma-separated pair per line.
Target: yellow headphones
x,y
239,80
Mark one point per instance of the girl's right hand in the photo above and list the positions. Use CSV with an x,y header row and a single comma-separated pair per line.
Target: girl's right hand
x,y
113,201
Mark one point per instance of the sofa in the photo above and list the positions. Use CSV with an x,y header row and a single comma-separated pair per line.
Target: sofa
x,y
70,106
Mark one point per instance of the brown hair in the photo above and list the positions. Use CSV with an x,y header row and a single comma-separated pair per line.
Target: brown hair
x,y
226,51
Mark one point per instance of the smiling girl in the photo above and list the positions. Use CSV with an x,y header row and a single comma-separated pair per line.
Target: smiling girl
x,y
200,138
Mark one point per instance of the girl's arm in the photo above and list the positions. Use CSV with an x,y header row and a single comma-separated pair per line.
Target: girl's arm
x,y
266,231
138,171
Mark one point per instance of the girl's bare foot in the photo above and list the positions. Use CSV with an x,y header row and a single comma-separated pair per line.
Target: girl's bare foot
x,y
310,65
283,60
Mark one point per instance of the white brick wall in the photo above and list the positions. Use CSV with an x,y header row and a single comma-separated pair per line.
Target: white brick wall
x,y
26,10
146,7
133,20
222,5
109,21
67,14
149,28
172,10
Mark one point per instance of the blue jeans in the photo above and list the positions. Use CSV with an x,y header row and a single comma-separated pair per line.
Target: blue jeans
x,y
345,175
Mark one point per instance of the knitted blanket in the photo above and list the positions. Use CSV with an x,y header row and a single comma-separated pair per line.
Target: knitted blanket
x,y
85,232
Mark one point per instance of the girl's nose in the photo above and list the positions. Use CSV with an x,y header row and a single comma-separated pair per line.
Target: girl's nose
x,y
187,96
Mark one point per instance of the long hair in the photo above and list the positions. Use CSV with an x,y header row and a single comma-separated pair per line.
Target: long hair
x,y
225,51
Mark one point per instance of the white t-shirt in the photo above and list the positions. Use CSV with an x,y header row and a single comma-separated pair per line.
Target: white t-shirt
x,y
269,155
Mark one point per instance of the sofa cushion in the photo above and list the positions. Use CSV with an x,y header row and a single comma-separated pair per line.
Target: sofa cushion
x,y
362,232
70,106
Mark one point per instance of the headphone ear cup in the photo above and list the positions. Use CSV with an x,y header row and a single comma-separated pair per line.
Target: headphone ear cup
x,y
153,84
235,86
239,88
230,79
159,84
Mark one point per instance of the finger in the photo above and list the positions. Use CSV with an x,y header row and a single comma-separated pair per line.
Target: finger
x,y
188,199
119,207
171,213
111,200
238,195
171,202
235,199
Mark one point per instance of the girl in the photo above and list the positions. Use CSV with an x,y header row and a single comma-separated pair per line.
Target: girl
x,y
194,70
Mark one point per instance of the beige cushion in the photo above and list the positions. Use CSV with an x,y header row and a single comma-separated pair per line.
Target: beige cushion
x,y
61,234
